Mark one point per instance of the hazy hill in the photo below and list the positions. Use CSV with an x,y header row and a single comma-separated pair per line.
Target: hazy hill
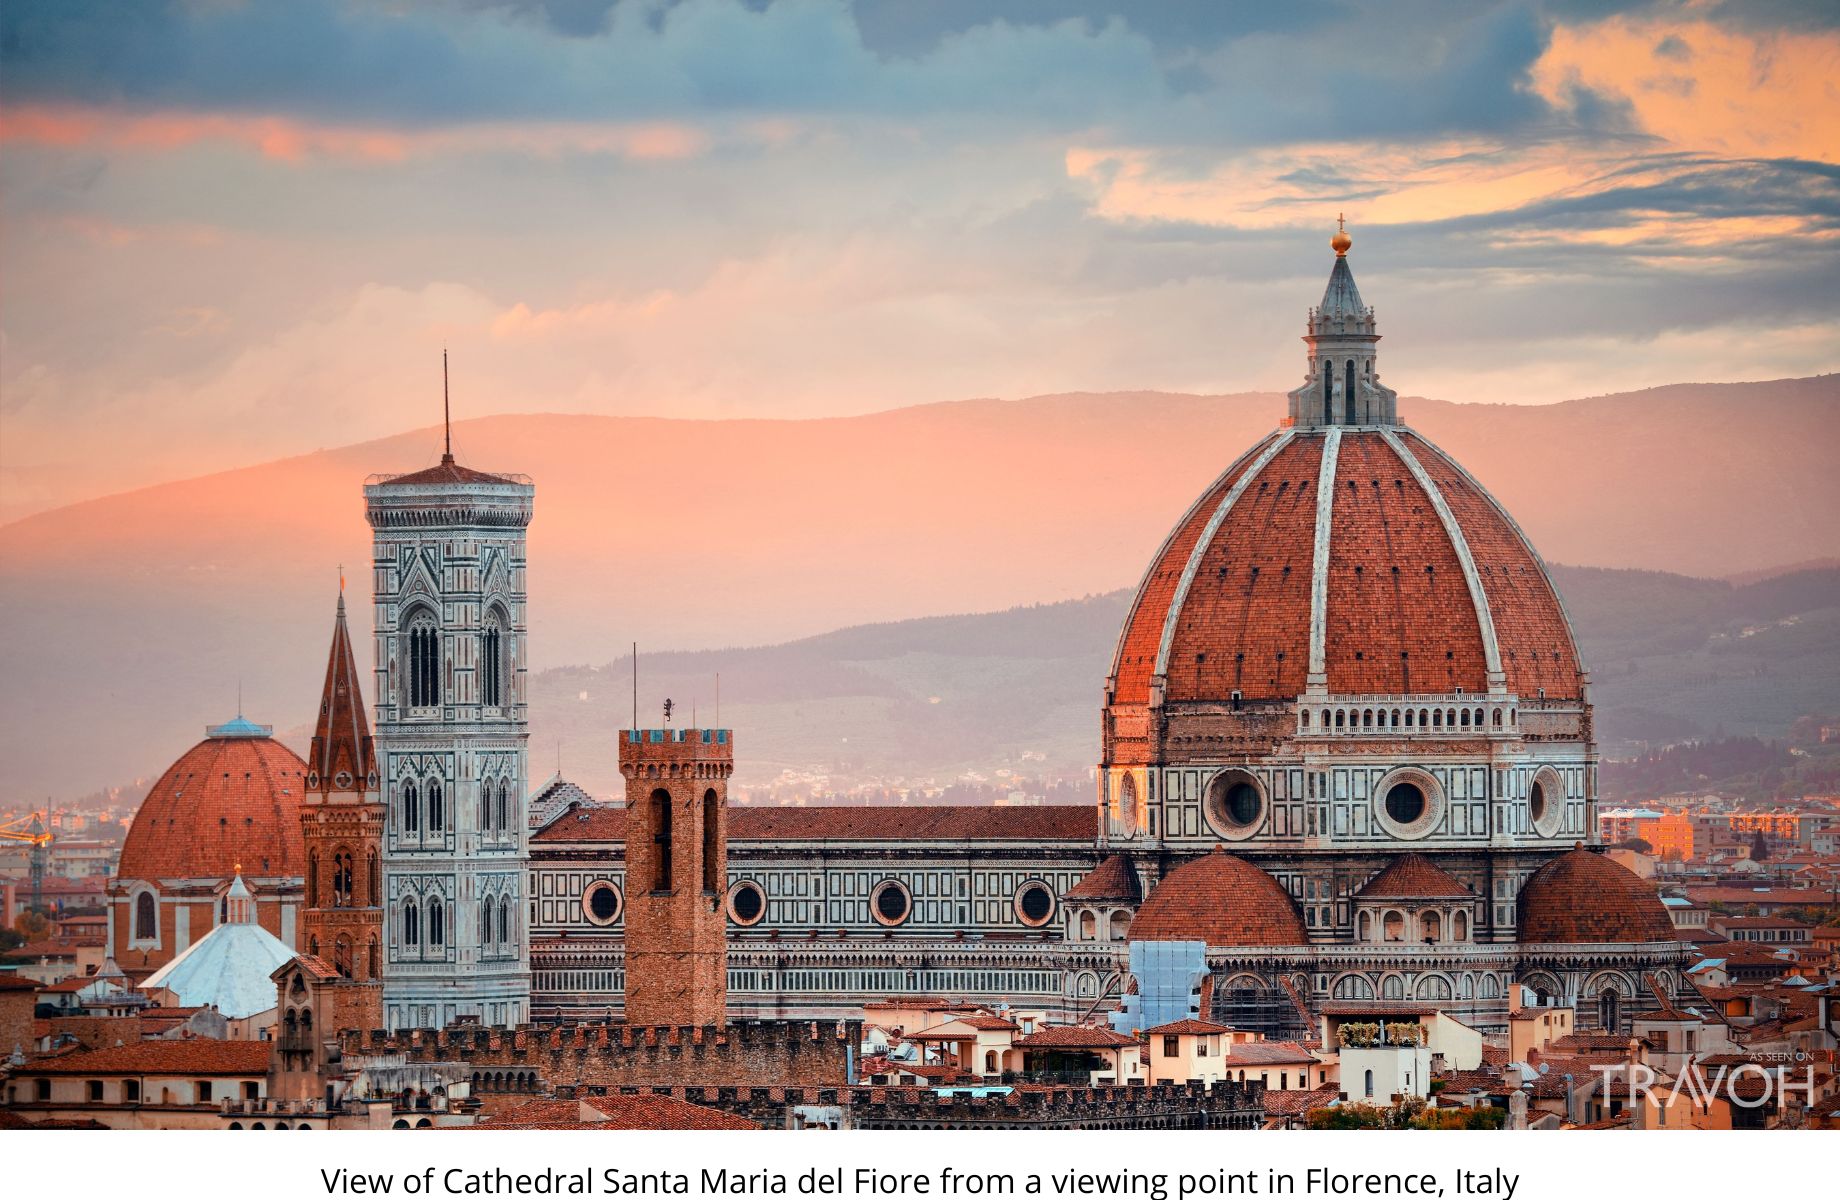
x,y
1671,656
131,619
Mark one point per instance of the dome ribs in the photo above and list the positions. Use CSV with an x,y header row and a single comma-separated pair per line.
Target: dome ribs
x,y
1245,625
203,818
1537,648
1135,662
1371,617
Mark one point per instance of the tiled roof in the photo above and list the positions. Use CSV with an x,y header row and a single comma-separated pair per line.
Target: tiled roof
x,y
1399,615
1113,879
612,1112
198,1056
1073,1037
1263,1054
1584,898
1222,900
1187,1025
852,822
446,471
1413,876
1295,1103
10,982
228,801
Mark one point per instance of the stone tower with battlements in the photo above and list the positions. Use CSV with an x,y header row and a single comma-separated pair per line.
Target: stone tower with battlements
x,y
676,874
341,825
448,577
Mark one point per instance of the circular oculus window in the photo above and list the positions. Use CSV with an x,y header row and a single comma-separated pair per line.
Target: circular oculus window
x,y
1034,904
891,903
1234,804
1546,803
1408,803
602,903
747,903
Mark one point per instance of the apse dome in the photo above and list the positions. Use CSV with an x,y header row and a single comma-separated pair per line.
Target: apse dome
x,y
1581,897
1222,900
232,801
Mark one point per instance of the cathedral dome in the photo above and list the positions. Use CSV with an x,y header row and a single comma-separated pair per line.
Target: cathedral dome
x,y
1581,897
232,800
1222,900
1426,584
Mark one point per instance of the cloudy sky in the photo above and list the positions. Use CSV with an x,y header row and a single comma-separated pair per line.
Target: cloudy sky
x,y
231,231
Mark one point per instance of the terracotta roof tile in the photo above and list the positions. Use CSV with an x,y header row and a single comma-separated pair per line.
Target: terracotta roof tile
x,y
1584,898
1073,1037
1187,1025
610,1113
228,801
1413,876
1113,879
1222,900
198,1056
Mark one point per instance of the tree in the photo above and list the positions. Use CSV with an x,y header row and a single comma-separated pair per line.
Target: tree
x,y
1639,845
1760,847
32,925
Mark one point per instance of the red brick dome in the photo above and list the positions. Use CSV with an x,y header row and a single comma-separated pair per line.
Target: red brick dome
x,y
232,800
1223,900
1226,604
1583,897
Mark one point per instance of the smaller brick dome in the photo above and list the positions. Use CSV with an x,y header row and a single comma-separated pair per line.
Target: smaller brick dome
x,y
231,801
1413,877
1223,900
1581,897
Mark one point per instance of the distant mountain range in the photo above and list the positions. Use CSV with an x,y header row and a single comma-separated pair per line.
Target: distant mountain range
x,y
132,620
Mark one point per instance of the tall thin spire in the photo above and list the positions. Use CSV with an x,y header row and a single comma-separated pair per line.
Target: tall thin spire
x,y
447,417
342,757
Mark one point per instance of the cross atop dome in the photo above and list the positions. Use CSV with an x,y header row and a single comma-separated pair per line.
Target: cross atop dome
x,y
1342,383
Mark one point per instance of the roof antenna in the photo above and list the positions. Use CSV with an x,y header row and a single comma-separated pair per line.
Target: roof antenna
x,y
447,417
635,667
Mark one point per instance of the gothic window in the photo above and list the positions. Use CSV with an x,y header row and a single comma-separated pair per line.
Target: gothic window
x,y
485,922
1348,393
661,841
485,805
437,935
504,805
341,879
711,841
146,919
412,925
341,955
1328,371
312,879
505,929
411,808
437,815
371,890
491,665
424,662
1610,1010
374,968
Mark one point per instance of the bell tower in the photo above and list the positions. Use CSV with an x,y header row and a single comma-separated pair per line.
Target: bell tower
x,y
676,874
341,825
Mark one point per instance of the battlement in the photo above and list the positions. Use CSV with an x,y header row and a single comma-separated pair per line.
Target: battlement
x,y
741,1053
1223,1105
646,748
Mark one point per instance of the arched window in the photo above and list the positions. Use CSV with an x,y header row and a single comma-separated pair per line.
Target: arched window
x,y
341,955
1089,926
1120,925
424,662
1459,926
1432,925
374,967
491,665
371,890
312,879
1610,1010
504,805
1348,393
146,917
411,809
437,933
485,805
1328,370
507,932
485,921
1368,1079
412,924
712,841
1394,927
990,1062
1364,926
341,878
661,841
437,810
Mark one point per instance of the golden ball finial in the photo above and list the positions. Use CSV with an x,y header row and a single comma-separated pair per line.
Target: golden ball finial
x,y
1341,241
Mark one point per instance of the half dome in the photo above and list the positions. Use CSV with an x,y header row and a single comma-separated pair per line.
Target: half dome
x,y
231,801
1222,900
1582,897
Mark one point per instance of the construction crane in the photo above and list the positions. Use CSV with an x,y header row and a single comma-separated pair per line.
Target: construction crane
x,y
38,837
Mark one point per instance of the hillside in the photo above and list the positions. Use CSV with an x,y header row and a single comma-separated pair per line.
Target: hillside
x,y
139,615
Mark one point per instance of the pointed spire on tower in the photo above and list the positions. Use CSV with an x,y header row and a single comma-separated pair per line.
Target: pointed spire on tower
x,y
447,417
342,757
